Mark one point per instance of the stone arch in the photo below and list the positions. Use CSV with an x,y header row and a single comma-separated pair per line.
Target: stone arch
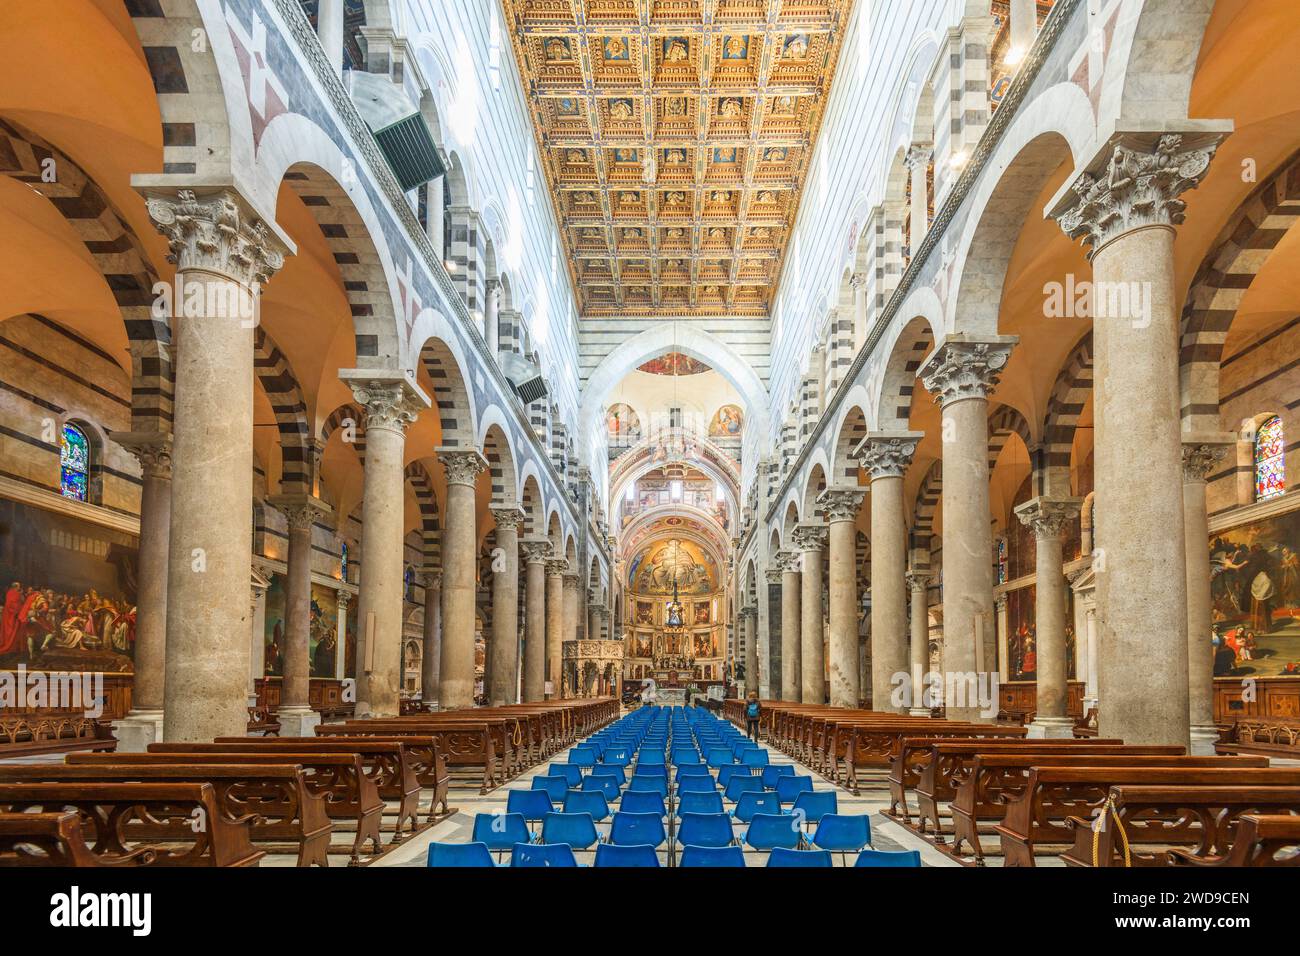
x,y
554,530
789,521
120,258
852,430
1151,60
501,464
929,496
290,409
1221,283
814,485
349,416
911,345
1005,421
450,394
1069,397
418,477
530,500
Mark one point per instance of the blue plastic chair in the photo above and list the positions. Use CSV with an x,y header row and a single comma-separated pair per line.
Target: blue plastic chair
x,y
730,856
542,854
587,801
583,757
696,785
634,829
769,830
606,785
460,855
501,831
554,787
741,784
710,802
610,771
643,801
781,856
889,858
657,785
705,829
653,772
753,802
533,805
719,757
843,832
754,758
815,804
571,773
619,756
775,771
788,788
638,855
651,758
686,756
692,770
730,771
577,830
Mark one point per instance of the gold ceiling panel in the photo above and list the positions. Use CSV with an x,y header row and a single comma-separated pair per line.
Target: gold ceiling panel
x,y
675,136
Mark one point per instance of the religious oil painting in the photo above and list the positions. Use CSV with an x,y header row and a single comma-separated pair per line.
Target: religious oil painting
x,y
70,592
324,633
727,422
1255,598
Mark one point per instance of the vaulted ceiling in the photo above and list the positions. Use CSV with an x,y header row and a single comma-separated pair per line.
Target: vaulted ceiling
x,y
676,136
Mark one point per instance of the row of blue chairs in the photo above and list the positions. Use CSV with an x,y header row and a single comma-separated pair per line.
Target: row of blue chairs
x,y
613,855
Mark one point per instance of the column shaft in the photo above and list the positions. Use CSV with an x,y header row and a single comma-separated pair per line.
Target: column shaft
x,y
535,623
919,656
841,507
503,652
554,624
431,654
812,663
791,622
1199,459
889,634
459,588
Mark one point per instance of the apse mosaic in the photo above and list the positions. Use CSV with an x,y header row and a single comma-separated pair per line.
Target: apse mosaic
x,y
70,592
672,564
691,90
1255,598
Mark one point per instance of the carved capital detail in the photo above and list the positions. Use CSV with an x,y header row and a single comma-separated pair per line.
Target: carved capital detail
x,y
535,551
152,449
773,575
841,504
962,368
1049,517
300,511
810,537
1200,458
508,519
918,580
344,599
462,465
219,233
570,580
387,404
886,455
557,567
918,156
1139,186
789,562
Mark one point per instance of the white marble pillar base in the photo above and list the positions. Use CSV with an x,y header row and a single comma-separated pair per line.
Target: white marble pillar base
x,y
137,730
1051,728
298,722
918,712
1203,741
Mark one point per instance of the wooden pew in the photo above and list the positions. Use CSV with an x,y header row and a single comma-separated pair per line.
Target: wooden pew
x,y
1202,824
1039,816
462,742
54,839
876,744
46,733
275,799
1260,840
339,778
388,764
994,781
1267,736
420,753
110,813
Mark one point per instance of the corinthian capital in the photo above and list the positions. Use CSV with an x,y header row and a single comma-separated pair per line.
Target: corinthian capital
x,y
557,567
535,550
389,399
463,465
152,449
841,504
918,156
300,511
887,454
1136,181
810,537
1202,452
507,519
918,579
964,366
1048,516
218,232
788,561
774,575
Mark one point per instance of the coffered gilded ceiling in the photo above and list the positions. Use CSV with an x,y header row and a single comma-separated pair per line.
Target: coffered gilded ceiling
x,y
676,136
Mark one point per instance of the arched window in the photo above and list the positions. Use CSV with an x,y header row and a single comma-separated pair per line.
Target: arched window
x,y
74,463
343,563
1270,460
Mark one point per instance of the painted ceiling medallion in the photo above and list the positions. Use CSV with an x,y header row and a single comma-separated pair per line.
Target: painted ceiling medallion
x,y
711,121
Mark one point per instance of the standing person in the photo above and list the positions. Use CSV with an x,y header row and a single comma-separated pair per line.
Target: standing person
x,y
752,713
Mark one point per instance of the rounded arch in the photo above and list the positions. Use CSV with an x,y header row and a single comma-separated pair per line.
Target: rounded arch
x,y
495,442
814,484
530,499
351,418
849,432
790,521
1070,395
1151,63
442,361
1005,421
929,497
912,340
285,395
655,341
421,482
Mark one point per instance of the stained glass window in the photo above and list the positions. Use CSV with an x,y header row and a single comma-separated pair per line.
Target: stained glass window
x,y
74,463
1270,460
409,579
343,563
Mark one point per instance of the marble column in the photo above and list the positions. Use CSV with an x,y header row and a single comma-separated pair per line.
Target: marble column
x,y
296,717
492,317
593,618
459,572
918,165
774,658
571,616
556,568
341,645
143,723
536,552
960,374
503,650
1200,456
791,622
1049,518
435,226
810,539
918,583
390,404
431,653
224,254
1125,205
260,580
840,505
329,28
749,622
885,456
